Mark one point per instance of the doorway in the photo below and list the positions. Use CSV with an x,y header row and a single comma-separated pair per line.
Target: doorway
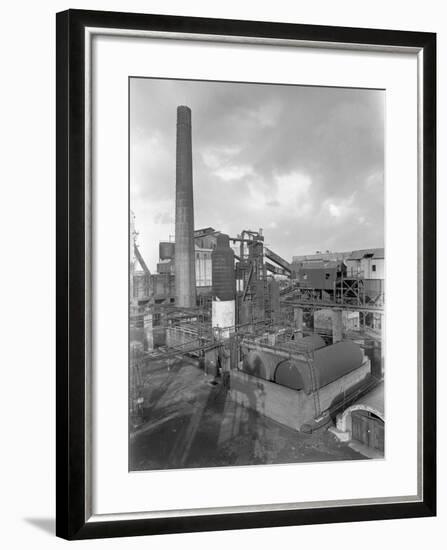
x,y
367,428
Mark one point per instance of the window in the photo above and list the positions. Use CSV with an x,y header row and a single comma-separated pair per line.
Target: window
x,y
156,319
373,267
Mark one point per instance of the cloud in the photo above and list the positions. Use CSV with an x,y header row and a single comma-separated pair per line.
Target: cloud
x,y
341,209
334,210
236,172
305,163
294,193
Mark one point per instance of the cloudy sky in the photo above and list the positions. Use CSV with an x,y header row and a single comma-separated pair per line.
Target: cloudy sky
x,y
304,163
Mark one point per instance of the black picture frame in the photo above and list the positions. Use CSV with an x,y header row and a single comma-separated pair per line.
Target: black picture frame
x,y
72,513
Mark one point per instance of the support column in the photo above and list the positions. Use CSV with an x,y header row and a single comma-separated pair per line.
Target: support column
x,y
210,362
376,321
298,318
148,331
163,326
382,345
337,325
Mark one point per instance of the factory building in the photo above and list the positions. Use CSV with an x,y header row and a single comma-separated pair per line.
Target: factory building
x,y
216,299
368,263
323,320
318,273
321,257
206,238
203,267
141,286
202,261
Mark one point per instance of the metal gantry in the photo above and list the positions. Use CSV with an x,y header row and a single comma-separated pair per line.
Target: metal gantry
x,y
349,293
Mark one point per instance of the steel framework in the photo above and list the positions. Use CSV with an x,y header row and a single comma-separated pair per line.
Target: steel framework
x,y
349,293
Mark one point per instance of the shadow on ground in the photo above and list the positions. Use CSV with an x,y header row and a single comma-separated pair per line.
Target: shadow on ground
x,y
192,423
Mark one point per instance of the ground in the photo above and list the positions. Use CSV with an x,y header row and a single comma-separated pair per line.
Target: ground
x,y
190,422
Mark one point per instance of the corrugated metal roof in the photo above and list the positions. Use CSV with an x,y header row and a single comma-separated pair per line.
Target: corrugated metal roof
x,y
375,253
323,256
378,253
204,231
320,265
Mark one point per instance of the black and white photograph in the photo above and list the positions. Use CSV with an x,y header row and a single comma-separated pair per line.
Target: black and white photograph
x,y
223,330
257,269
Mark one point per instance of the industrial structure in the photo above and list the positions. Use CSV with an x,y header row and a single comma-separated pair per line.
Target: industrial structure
x,y
296,341
185,273
364,421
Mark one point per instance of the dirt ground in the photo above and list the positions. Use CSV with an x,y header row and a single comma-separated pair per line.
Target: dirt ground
x,y
190,422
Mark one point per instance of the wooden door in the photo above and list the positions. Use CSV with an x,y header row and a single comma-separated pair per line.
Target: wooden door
x,y
360,427
368,429
377,433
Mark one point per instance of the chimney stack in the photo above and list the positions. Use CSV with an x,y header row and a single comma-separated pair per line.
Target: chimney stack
x,y
185,268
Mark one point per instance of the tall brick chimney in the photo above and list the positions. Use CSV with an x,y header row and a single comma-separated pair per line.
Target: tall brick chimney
x,y
185,270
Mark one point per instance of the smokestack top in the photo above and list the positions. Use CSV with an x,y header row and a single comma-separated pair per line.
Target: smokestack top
x,y
183,115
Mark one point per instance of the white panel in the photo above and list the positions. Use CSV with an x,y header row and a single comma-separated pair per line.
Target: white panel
x,y
115,489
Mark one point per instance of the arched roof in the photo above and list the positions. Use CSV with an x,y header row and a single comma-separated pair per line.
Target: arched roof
x,y
372,402
328,364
